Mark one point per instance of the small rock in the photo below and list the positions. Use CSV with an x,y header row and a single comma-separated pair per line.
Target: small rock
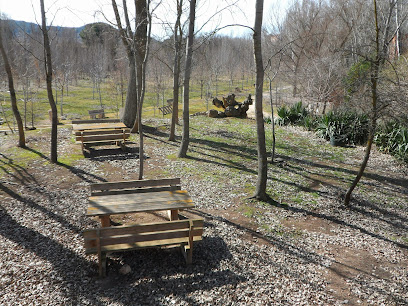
x,y
126,269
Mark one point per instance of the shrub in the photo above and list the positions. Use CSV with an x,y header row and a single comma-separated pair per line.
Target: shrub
x,y
346,127
310,122
293,115
392,138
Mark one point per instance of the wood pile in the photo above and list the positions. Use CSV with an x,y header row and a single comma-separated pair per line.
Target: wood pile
x,y
231,108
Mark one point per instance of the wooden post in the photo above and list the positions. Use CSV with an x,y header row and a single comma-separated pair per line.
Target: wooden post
x,y
105,221
173,214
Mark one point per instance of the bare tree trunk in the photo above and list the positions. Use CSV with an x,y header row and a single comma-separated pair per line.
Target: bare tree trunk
x,y
62,100
48,73
140,42
143,32
374,97
130,109
272,122
186,91
178,36
260,192
21,135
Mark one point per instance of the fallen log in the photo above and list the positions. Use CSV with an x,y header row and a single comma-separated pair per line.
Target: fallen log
x,y
231,107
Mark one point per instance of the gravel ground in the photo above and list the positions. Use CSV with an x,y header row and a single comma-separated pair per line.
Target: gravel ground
x,y
42,259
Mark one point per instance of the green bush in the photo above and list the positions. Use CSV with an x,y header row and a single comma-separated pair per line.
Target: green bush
x,y
293,115
346,127
392,138
310,122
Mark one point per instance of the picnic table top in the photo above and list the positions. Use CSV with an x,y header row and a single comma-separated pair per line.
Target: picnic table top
x,y
98,126
105,205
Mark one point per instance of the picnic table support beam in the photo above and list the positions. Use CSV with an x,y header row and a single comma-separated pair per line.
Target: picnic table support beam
x,y
173,214
105,221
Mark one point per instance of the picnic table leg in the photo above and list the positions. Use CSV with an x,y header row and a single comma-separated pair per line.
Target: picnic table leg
x,y
105,221
173,214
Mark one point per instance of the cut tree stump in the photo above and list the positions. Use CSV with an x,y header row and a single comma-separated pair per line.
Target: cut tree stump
x,y
231,107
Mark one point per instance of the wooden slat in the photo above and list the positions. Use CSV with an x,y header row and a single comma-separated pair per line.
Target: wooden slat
x,y
143,228
99,142
159,237
142,235
98,125
96,111
95,121
135,184
140,198
138,207
142,245
138,190
107,137
138,202
103,131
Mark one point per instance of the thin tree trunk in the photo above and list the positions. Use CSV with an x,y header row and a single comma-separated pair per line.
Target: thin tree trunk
x,y
130,109
176,71
48,73
21,135
374,96
143,35
100,94
260,192
186,90
62,100
273,122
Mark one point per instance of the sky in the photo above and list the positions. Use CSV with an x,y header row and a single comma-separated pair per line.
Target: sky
x,y
76,13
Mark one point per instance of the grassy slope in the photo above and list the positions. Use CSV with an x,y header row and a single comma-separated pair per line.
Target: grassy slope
x,y
224,151
81,98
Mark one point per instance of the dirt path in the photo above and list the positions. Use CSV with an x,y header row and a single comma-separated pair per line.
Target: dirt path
x,y
266,113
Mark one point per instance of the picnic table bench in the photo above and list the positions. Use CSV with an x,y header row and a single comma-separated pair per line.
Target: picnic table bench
x,y
96,113
91,133
167,109
140,196
102,137
182,233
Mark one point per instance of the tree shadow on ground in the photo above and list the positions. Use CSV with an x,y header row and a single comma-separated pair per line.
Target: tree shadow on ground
x,y
32,204
112,154
336,220
165,273
83,175
18,173
305,255
309,169
156,273
216,146
358,204
401,182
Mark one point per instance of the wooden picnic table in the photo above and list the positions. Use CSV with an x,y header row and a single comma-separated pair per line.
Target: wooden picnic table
x,y
98,126
104,206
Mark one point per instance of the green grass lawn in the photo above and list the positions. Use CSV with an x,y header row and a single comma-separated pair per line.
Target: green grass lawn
x,y
81,97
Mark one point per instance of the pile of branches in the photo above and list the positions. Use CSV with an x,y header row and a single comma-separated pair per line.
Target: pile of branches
x,y
231,107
